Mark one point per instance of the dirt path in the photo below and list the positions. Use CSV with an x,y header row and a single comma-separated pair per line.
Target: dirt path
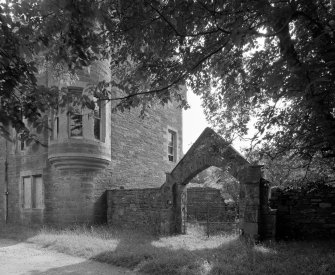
x,y
28,259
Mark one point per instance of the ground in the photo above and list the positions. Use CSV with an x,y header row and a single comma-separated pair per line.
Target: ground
x,y
26,258
191,254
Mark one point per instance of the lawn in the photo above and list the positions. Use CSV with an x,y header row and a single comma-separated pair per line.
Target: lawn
x,y
193,253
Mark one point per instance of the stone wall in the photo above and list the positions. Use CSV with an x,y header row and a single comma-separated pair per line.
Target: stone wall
x,y
19,162
138,209
203,203
139,146
305,213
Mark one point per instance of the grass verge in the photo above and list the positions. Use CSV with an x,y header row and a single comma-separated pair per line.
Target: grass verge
x,y
188,254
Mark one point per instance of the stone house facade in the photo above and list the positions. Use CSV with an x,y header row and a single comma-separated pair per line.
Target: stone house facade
x,y
87,153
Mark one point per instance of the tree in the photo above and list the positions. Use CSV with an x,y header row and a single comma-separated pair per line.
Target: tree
x,y
222,178
35,36
288,84
291,170
215,177
270,59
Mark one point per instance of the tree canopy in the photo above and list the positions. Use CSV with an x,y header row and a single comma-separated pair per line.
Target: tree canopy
x,y
273,60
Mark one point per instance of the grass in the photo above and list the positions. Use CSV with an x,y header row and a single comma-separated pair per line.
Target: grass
x,y
192,253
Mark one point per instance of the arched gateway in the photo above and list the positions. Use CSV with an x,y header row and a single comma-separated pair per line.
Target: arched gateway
x,y
211,150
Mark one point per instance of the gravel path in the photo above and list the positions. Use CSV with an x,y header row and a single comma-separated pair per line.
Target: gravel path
x,y
29,259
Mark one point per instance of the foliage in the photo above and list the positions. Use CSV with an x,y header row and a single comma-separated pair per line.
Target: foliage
x,y
37,36
274,60
290,170
294,171
269,59
217,178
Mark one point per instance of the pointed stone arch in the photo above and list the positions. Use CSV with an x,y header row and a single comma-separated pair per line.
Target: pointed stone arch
x,y
212,150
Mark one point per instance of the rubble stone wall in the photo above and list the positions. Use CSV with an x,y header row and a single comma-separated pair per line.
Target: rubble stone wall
x,y
208,202
138,209
306,213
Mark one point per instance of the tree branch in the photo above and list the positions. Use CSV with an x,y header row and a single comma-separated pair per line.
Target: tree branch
x,y
165,19
182,76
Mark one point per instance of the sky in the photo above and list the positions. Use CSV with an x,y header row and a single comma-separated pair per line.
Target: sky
x,y
194,122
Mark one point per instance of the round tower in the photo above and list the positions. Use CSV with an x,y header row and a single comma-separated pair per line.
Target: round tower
x,y
79,147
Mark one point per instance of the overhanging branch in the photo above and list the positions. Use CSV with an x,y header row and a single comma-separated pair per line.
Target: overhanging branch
x,y
182,76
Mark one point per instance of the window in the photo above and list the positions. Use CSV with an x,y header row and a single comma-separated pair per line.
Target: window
x,y
23,134
75,114
32,192
22,137
172,146
22,144
27,192
76,123
76,120
57,126
97,120
56,123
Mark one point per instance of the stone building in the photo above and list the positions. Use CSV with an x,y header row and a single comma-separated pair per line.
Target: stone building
x,y
86,154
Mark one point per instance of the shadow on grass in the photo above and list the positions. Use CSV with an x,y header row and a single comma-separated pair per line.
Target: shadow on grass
x,y
17,233
7,243
193,253
221,254
181,254
84,268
